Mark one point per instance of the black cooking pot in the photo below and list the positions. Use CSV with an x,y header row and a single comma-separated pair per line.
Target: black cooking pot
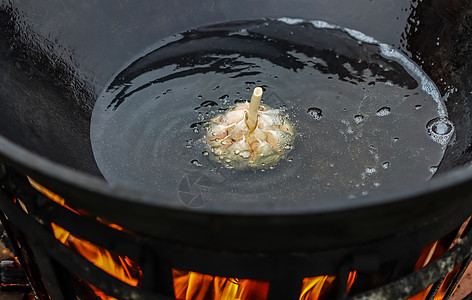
x,y
56,57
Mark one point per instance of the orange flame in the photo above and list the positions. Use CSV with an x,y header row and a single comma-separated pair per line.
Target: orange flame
x,y
120,267
100,294
54,197
190,285
432,252
115,265
61,201
429,253
314,288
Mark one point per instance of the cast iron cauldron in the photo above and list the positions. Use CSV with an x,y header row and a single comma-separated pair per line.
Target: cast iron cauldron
x,y
56,56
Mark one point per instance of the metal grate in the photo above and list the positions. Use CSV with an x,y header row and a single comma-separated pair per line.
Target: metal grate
x,y
56,270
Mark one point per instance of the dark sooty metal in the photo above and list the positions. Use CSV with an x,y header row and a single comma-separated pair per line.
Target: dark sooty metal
x,y
96,56
54,267
101,38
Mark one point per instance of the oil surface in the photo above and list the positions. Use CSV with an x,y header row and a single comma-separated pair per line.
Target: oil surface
x,y
368,121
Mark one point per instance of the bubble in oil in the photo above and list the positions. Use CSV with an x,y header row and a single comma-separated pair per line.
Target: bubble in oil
x,y
440,130
288,147
245,155
229,78
358,118
384,111
315,113
224,97
207,103
196,163
189,144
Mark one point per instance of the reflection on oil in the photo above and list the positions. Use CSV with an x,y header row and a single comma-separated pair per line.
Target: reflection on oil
x,y
353,101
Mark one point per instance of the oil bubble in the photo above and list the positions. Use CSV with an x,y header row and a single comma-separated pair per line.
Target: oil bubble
x,y
288,147
384,111
245,155
440,130
196,163
358,118
189,144
207,103
315,112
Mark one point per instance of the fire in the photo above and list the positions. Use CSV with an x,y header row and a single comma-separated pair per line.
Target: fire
x,y
61,201
120,267
432,252
54,197
428,254
314,288
190,285
100,294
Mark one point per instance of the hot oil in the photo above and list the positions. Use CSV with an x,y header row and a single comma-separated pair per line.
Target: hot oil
x,y
367,120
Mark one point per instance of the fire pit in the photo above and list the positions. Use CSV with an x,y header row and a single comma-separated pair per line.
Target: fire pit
x,y
84,232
